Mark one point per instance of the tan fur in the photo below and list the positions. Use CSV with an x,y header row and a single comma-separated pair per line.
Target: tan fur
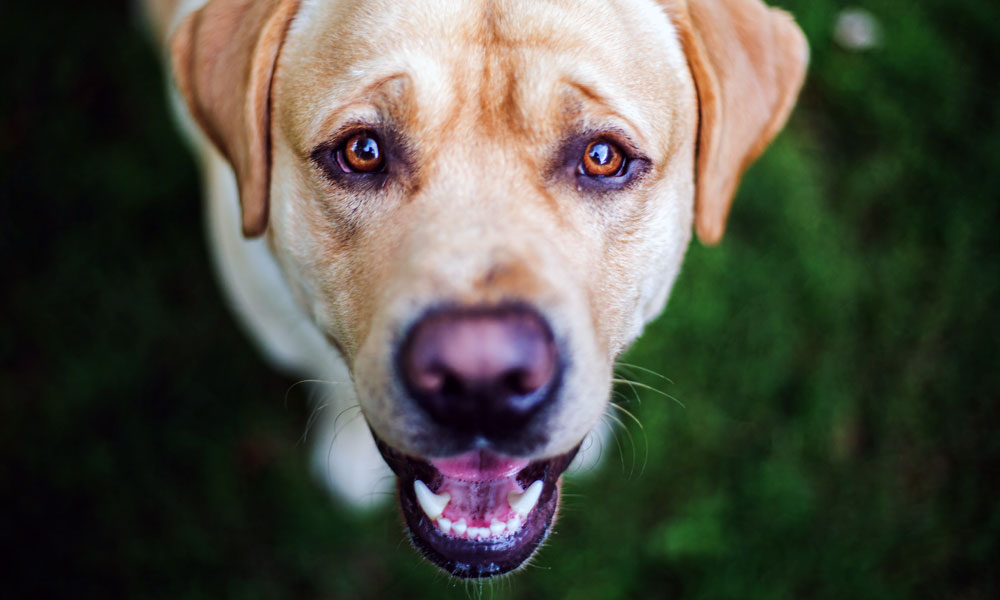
x,y
223,58
749,62
484,93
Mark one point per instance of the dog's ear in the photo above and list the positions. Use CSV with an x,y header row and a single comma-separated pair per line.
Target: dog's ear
x,y
224,57
748,62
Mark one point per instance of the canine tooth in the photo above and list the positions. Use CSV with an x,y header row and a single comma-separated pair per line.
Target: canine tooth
x,y
459,526
513,524
497,527
433,504
523,503
445,524
482,533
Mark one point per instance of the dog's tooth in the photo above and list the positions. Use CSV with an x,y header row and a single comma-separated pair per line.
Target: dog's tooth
x,y
433,504
481,533
445,524
459,526
523,503
513,524
497,527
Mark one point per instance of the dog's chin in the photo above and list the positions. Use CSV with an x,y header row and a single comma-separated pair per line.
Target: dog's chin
x,y
479,514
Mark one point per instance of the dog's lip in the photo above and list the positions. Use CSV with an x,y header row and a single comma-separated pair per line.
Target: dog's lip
x,y
479,558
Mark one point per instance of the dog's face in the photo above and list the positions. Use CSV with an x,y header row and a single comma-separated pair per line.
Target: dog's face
x,y
480,197
480,204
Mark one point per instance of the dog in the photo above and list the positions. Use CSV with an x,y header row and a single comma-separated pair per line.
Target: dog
x,y
460,213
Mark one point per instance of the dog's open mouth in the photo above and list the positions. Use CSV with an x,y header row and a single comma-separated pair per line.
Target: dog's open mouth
x,y
478,514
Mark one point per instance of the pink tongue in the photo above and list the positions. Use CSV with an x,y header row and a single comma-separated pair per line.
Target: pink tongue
x,y
478,483
479,465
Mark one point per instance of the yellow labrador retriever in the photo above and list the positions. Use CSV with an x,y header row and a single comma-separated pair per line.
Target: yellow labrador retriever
x,y
461,213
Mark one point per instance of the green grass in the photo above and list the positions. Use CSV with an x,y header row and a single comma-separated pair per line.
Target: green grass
x,y
836,356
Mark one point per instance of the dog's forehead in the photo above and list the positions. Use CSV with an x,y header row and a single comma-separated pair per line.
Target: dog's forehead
x,y
509,64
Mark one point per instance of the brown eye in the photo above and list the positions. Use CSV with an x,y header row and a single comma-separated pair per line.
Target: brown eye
x,y
602,159
361,154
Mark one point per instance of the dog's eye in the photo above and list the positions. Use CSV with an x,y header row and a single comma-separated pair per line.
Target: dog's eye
x,y
602,158
361,153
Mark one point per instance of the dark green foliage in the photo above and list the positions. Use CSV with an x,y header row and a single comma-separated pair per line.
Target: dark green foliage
x,y
836,356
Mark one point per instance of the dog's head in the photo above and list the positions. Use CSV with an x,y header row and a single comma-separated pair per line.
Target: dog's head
x,y
481,204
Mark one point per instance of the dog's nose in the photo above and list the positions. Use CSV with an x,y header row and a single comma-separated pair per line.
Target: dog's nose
x,y
482,370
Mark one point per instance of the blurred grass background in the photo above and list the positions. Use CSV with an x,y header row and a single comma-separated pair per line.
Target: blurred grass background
x,y
837,356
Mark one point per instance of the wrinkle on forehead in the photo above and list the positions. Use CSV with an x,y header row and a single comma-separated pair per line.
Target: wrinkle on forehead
x,y
539,57
490,67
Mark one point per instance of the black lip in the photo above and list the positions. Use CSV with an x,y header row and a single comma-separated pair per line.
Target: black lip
x,y
469,559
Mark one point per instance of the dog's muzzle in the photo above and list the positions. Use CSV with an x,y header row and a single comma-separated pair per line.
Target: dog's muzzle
x,y
483,377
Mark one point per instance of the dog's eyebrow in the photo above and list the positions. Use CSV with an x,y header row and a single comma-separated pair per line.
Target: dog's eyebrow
x,y
371,95
586,90
591,95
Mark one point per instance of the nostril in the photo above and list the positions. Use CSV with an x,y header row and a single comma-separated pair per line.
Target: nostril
x,y
451,386
520,382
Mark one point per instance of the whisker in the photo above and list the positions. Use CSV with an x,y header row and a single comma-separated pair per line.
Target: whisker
x,y
616,395
650,388
313,416
301,381
628,413
645,438
645,370
599,441
614,438
635,393
376,492
337,429
587,447
631,443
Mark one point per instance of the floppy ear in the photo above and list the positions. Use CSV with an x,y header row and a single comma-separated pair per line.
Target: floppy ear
x,y
224,56
748,62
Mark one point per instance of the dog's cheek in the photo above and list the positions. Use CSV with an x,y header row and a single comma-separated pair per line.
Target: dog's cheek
x,y
312,254
607,264
646,247
667,235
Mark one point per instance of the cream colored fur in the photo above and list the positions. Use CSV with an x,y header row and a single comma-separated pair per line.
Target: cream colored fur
x,y
484,92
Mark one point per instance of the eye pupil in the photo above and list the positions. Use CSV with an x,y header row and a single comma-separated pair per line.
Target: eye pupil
x,y
602,159
366,148
600,154
362,153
